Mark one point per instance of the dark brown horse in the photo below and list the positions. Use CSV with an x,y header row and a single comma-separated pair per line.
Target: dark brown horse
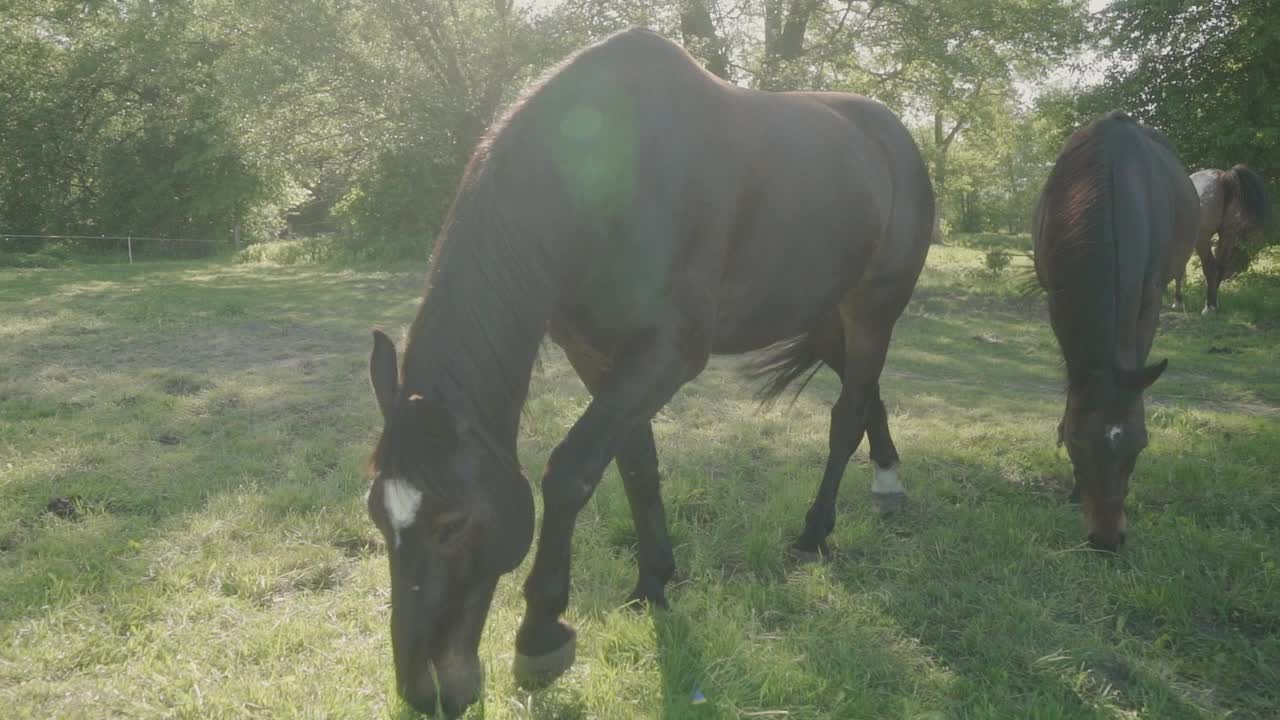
x,y
647,215
1233,203
1115,221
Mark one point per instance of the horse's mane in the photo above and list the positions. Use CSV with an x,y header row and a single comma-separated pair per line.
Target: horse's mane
x,y
495,267
1075,217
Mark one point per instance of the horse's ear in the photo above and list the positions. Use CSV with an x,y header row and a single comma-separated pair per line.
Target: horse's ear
x,y
383,373
1141,379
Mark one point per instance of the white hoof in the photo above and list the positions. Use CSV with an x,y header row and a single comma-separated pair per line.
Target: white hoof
x,y
887,490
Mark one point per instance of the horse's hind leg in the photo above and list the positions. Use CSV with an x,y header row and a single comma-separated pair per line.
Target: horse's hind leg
x,y
867,324
886,489
1177,289
1209,265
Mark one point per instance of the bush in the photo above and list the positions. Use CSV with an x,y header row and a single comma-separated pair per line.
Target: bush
x,y
996,261
396,206
50,256
306,251
1015,242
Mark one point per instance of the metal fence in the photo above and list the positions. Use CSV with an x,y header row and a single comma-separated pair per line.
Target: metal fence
x,y
123,247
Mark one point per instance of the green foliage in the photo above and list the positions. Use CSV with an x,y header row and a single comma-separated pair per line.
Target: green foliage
x,y
996,261
288,117
1016,243
1203,73
50,257
304,251
115,121
396,204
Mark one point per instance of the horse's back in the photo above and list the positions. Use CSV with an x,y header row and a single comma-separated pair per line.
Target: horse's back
x,y
1116,217
771,204
1156,188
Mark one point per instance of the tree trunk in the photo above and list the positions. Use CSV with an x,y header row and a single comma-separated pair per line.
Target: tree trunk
x,y
784,33
942,139
698,30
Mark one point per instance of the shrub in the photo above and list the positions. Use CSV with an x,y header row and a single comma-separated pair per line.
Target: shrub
x,y
996,261
305,251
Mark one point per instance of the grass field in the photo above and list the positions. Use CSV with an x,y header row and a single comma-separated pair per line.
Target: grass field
x,y
210,424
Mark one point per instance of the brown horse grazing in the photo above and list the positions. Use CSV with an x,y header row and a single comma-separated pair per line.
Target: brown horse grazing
x,y
647,215
1233,203
1115,221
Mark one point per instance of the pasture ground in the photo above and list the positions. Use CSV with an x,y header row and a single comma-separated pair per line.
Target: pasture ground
x,y
209,424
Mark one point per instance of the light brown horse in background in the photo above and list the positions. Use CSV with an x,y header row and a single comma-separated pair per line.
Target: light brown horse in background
x,y
1233,203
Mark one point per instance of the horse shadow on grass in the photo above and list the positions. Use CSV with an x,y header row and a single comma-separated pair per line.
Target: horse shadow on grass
x,y
914,621
977,599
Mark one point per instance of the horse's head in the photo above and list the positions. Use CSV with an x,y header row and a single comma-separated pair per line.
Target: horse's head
x,y
1104,430
456,514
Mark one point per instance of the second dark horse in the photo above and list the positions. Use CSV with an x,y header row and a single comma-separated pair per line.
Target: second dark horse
x,y
647,215
1115,222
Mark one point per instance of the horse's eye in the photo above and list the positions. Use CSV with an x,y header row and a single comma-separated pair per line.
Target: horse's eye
x,y
448,529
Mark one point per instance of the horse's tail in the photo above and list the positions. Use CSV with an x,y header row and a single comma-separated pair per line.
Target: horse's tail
x,y
1248,188
782,364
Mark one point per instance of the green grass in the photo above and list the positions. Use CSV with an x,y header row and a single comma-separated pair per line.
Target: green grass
x,y
211,423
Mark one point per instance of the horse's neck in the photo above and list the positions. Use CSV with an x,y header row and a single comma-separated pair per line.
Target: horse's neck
x,y
476,337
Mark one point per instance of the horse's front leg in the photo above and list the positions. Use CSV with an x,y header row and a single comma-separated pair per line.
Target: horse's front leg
x,y
1226,244
634,389
1209,265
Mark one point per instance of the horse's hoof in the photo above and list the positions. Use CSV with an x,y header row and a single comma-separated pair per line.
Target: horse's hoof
x,y
805,557
637,601
1208,310
889,503
532,672
1176,307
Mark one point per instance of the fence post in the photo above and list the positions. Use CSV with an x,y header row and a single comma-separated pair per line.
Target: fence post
x,y
130,248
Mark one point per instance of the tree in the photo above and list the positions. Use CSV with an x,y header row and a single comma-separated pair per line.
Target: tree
x,y
1206,74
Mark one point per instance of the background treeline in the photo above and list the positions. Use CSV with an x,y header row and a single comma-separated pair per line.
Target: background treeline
x,y
354,118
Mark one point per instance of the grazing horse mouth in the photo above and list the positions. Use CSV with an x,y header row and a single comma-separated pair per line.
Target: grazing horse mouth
x,y
446,676
445,688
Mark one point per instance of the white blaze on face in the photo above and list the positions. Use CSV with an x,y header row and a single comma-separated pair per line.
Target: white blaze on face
x,y
401,500
886,481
